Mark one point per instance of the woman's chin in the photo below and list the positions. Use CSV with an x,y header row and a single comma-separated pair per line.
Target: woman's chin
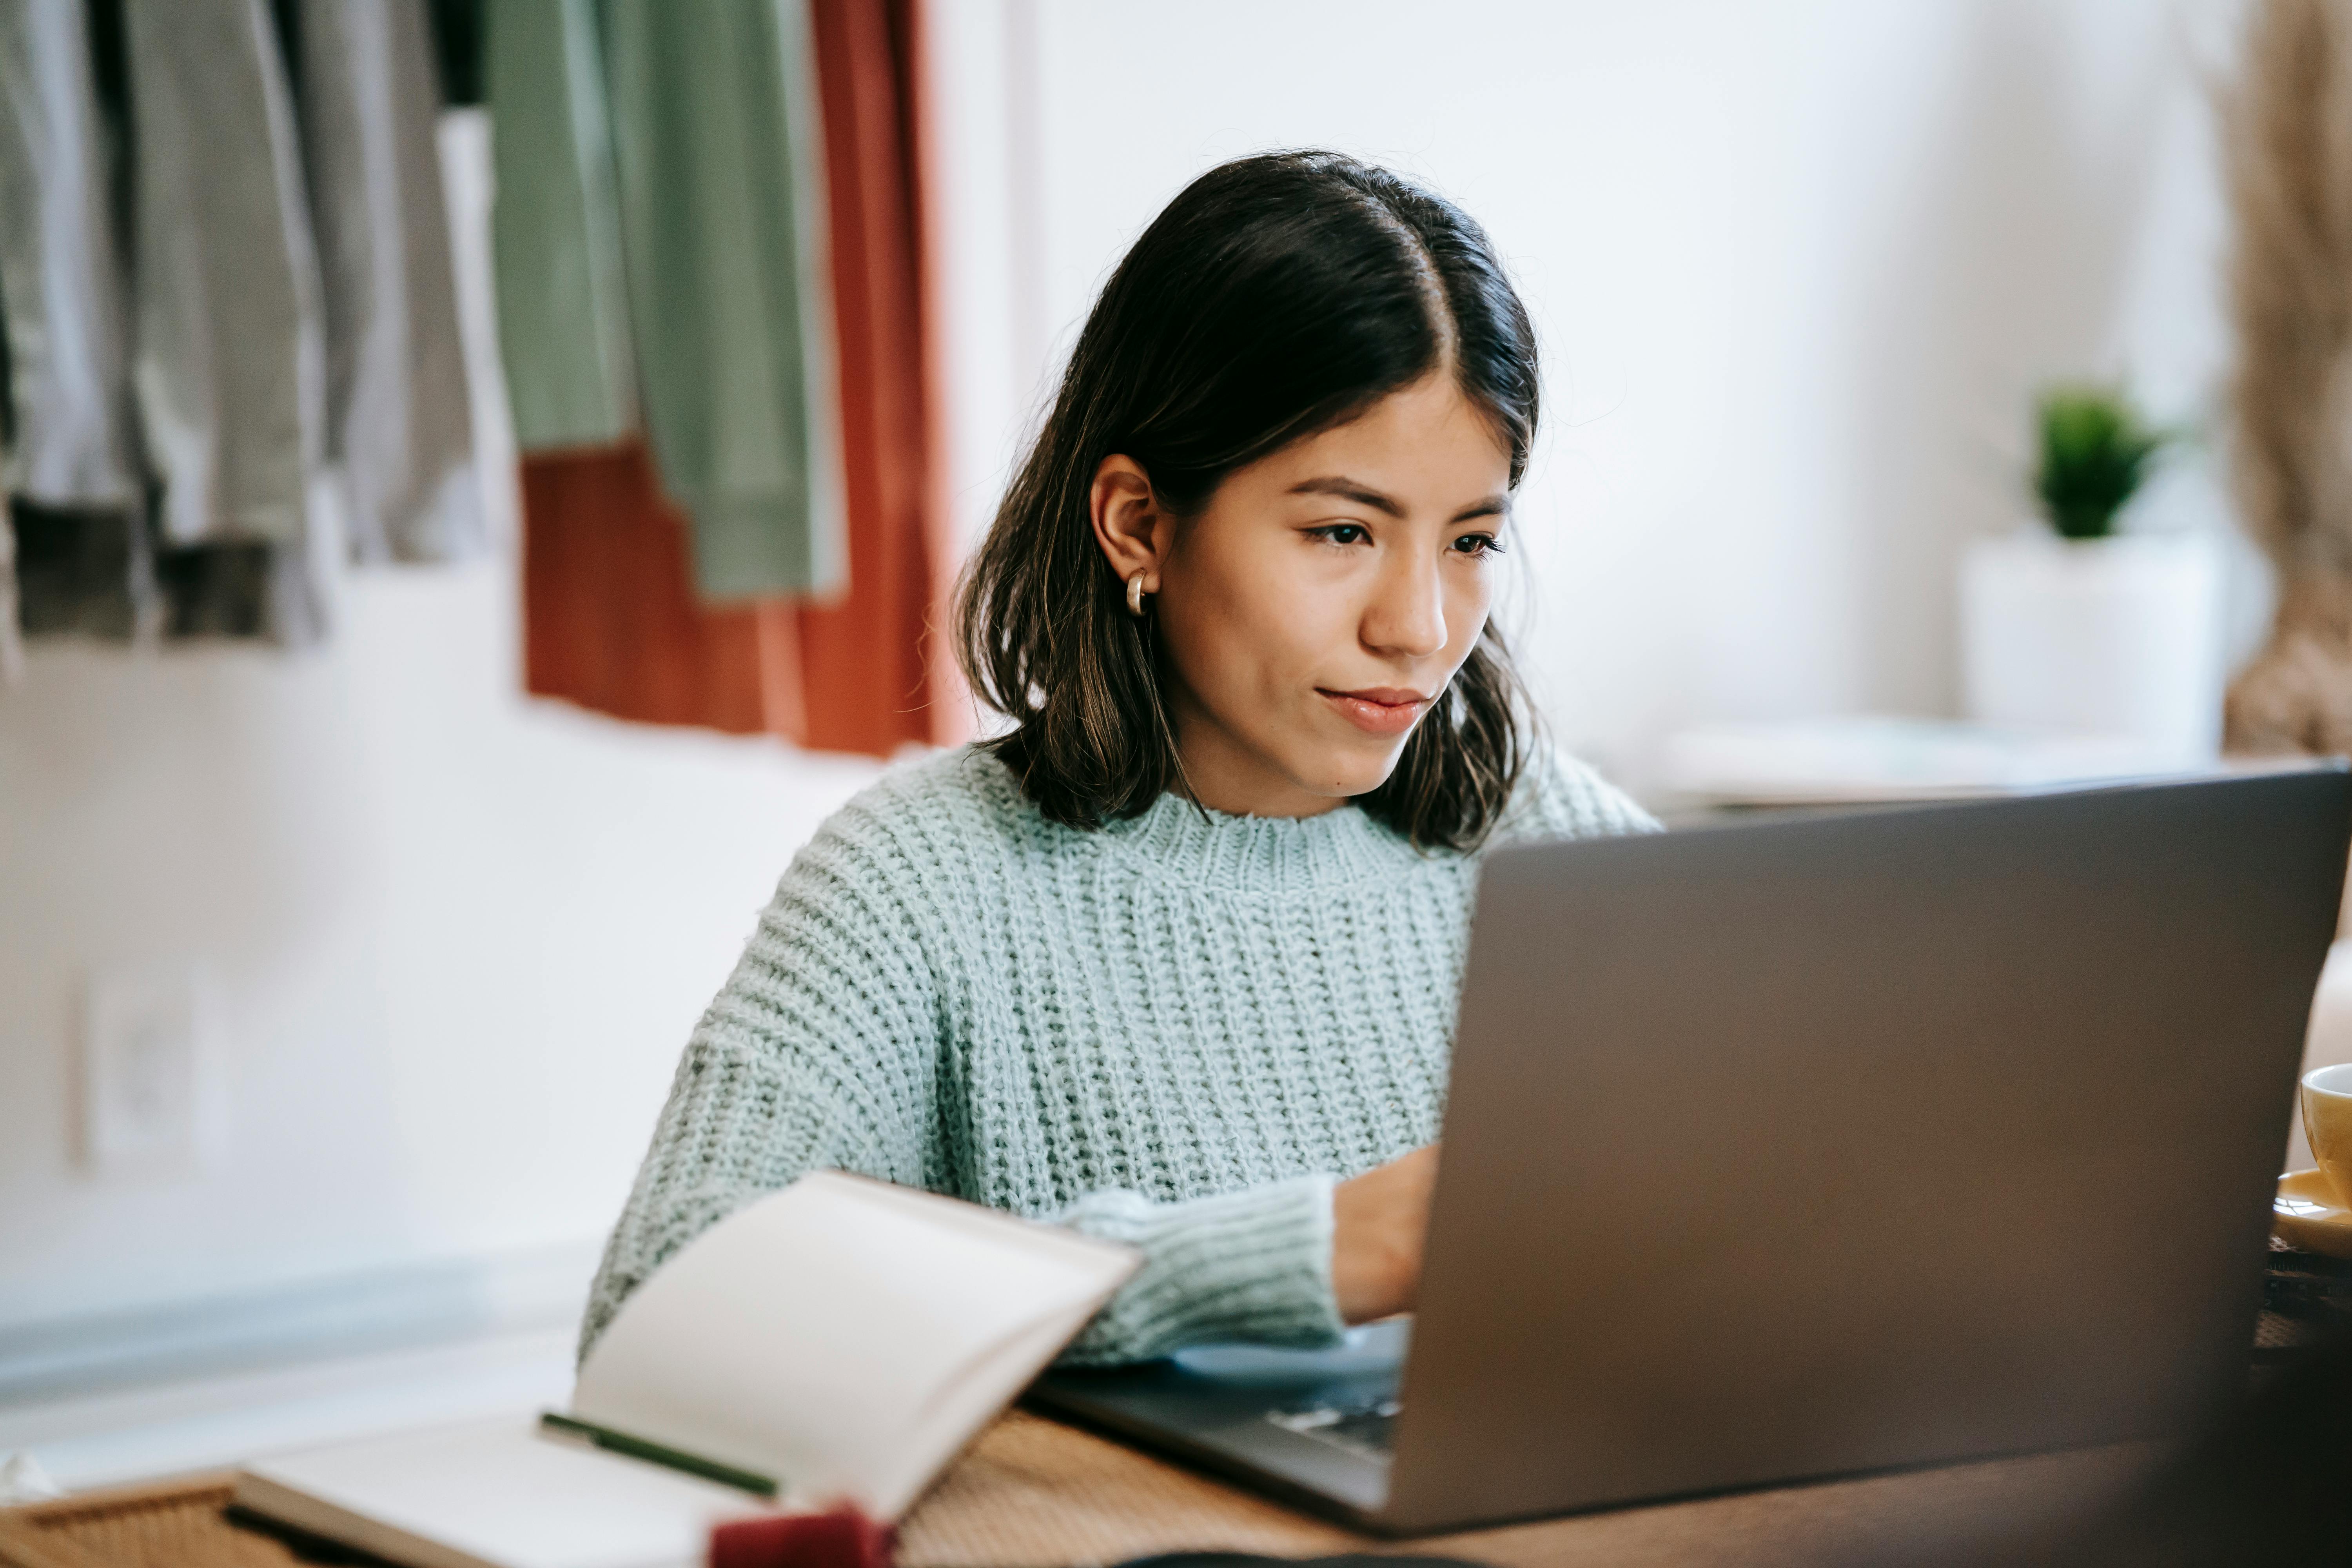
x,y
1347,773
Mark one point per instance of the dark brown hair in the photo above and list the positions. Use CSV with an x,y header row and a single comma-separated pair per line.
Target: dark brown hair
x,y
1276,297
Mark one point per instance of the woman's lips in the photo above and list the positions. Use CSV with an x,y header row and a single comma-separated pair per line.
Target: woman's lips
x,y
1378,710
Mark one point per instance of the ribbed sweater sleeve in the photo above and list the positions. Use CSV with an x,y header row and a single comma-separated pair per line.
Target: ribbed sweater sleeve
x,y
818,1053
1250,1265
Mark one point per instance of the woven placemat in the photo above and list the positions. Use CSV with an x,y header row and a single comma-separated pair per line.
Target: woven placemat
x,y
170,1525
1032,1493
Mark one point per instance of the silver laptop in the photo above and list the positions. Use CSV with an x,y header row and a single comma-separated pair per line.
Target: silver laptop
x,y
1813,1147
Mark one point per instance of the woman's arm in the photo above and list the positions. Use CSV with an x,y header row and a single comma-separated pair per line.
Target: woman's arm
x,y
819,1053
1252,1265
822,1052
1289,1263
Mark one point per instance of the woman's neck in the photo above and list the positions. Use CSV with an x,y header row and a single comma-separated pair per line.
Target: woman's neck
x,y
1224,774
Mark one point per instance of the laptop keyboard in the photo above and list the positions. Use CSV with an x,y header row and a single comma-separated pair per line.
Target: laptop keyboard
x,y
1359,1427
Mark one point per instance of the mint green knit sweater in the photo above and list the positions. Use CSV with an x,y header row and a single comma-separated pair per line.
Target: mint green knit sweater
x,y
1177,1031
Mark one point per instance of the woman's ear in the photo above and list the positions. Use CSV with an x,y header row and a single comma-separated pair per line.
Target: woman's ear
x,y
1134,530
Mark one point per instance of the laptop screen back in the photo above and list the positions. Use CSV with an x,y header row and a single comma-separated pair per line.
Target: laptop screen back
x,y
1813,1147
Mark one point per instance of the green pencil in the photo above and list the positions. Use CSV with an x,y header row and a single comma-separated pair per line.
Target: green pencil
x,y
654,1453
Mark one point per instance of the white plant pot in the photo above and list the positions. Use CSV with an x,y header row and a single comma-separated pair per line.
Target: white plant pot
x,y
2117,636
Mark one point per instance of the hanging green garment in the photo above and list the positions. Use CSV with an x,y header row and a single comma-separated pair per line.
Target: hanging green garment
x,y
660,235
564,321
715,131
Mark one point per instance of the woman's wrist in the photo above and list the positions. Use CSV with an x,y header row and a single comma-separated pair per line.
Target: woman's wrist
x,y
1364,1283
1377,1222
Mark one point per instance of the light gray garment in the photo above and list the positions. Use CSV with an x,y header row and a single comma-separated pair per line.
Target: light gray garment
x,y
398,419
227,362
60,290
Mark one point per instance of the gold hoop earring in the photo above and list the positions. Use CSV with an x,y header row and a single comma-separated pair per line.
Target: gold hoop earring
x,y
1135,595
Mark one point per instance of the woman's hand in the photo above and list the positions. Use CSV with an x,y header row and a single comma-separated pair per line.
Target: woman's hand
x,y
1378,1222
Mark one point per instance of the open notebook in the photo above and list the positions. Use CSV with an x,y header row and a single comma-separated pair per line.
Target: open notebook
x,y
840,1339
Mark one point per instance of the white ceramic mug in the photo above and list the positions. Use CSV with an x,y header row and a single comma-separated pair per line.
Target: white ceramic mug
x,y
2327,1124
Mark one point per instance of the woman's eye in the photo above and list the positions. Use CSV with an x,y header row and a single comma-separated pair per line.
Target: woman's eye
x,y
1478,544
1342,533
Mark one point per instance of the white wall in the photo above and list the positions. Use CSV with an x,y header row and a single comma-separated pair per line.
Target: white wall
x,y
1797,266
458,940
455,936
1797,269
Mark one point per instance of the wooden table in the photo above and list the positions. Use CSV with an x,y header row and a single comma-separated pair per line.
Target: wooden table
x,y
1032,1493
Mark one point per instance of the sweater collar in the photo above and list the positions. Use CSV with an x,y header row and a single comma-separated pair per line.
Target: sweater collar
x,y
1209,849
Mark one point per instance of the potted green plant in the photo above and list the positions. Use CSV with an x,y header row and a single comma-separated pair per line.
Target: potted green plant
x,y
2071,624
2095,451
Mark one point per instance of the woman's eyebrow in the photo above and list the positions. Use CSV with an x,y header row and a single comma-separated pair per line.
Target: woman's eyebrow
x,y
1349,490
1364,495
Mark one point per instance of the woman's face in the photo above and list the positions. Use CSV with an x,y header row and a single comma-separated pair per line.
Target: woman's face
x,y
1312,613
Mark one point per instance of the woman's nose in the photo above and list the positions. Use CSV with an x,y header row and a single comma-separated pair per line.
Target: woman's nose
x,y
1408,615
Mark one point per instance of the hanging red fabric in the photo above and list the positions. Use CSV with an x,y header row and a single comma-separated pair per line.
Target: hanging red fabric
x,y
866,689
610,617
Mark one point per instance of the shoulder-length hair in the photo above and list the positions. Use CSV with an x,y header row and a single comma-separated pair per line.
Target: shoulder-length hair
x,y
1276,297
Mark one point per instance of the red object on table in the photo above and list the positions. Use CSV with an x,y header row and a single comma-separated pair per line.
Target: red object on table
x,y
844,1538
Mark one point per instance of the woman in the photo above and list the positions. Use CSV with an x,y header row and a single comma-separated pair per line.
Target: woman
x,y
1173,959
